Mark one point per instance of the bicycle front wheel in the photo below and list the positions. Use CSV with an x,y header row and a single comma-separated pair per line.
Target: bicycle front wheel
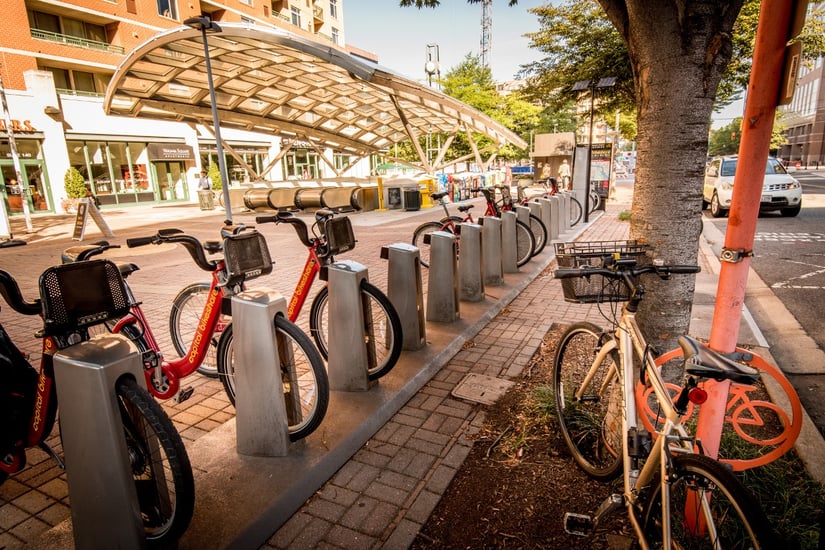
x,y
539,232
187,309
708,507
418,240
305,382
382,328
160,465
525,243
575,211
589,400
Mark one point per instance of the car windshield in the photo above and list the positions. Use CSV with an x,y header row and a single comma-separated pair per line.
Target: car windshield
x,y
772,167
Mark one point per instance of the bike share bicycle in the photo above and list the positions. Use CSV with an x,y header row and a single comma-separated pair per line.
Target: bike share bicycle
x,y
525,242
673,494
246,256
74,298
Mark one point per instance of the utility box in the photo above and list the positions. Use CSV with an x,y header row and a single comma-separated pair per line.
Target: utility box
x,y
394,198
412,199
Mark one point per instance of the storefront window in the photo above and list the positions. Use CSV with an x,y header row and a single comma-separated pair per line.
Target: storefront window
x,y
301,164
26,148
117,172
254,157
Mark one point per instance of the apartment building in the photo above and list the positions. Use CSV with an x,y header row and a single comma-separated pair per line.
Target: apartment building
x,y
56,60
804,119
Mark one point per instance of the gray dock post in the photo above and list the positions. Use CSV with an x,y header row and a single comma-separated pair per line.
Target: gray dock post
x,y
546,209
522,214
442,292
262,426
406,291
491,251
557,212
470,279
565,211
348,355
509,243
105,509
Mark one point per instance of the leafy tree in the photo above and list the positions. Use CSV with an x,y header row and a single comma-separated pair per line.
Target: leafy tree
x,y
725,140
74,183
214,174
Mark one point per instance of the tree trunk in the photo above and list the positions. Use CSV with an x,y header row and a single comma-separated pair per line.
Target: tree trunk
x,y
678,50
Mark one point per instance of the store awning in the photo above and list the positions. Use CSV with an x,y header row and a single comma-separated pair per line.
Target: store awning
x,y
272,81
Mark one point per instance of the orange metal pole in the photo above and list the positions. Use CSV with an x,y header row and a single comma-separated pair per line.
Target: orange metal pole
x,y
760,109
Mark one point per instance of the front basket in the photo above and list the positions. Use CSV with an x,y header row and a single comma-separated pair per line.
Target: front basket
x,y
595,288
246,256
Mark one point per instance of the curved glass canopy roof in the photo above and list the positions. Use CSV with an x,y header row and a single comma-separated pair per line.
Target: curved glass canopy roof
x,y
271,81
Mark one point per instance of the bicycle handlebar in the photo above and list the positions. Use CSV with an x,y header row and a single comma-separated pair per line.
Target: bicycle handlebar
x,y
622,269
190,243
10,291
290,218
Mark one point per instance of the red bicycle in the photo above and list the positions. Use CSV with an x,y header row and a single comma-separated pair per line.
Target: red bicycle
x,y
73,299
535,224
331,236
306,387
525,242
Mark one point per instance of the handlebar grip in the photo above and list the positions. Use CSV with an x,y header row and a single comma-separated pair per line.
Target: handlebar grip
x,y
569,273
140,241
266,219
678,269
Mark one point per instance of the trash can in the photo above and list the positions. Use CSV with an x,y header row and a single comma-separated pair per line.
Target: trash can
x,y
412,199
206,199
393,197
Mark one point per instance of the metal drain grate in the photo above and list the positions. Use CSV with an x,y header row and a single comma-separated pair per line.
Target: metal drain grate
x,y
481,389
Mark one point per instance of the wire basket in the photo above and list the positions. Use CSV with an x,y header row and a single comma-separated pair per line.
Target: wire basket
x,y
247,257
595,288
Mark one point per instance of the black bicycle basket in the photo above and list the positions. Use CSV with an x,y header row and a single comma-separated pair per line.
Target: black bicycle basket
x,y
81,294
595,288
246,256
339,235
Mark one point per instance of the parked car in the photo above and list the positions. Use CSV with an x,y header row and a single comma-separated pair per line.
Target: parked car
x,y
780,191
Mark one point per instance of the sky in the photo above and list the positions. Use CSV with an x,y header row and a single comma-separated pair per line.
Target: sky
x,y
399,36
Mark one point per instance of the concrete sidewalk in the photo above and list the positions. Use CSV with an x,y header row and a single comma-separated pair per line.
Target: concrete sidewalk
x,y
381,460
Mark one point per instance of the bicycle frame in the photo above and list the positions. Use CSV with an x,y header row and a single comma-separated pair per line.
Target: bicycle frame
x,y
171,372
310,272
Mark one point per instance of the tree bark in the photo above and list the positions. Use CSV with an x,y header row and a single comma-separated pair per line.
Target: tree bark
x,y
678,51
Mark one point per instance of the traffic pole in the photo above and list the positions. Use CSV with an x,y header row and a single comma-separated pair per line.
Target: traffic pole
x,y
772,34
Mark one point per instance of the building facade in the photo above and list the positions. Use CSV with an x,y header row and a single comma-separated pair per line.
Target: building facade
x,y
56,60
804,119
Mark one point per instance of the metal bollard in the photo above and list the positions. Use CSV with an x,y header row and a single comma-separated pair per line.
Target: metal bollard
x,y
557,212
348,356
105,509
509,244
565,216
406,291
261,421
442,292
491,251
546,209
522,214
470,280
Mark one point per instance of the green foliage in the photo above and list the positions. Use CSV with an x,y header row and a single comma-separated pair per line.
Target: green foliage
x,y
725,140
214,174
74,183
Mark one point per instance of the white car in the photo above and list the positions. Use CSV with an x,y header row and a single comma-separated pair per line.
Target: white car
x,y
780,191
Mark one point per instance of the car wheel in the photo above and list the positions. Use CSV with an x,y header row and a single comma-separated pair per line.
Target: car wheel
x,y
716,209
791,212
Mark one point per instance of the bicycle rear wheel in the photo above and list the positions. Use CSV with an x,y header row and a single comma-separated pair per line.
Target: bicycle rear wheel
x,y
525,243
589,401
575,211
419,238
305,382
734,520
160,465
382,328
187,308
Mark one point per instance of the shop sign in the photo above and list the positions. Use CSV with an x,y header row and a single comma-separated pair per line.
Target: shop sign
x,y
170,151
22,126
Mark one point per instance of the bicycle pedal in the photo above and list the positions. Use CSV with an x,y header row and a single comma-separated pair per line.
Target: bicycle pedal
x,y
184,394
578,524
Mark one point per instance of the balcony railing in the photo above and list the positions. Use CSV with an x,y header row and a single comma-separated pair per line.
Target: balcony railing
x,y
78,93
76,41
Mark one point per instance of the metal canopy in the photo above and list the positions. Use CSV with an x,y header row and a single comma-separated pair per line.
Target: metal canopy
x,y
271,81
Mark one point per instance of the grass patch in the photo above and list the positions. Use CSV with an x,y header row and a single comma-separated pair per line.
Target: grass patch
x,y
624,215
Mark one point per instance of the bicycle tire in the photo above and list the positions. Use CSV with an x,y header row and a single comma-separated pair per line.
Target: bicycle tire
x,y
539,231
382,321
187,309
595,201
418,240
738,520
591,425
525,243
166,501
575,211
301,366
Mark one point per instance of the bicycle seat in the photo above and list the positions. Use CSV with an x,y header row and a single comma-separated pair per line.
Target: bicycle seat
x,y
437,196
464,207
702,361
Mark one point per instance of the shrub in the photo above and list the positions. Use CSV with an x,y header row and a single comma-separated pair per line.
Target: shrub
x,y
74,184
214,174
